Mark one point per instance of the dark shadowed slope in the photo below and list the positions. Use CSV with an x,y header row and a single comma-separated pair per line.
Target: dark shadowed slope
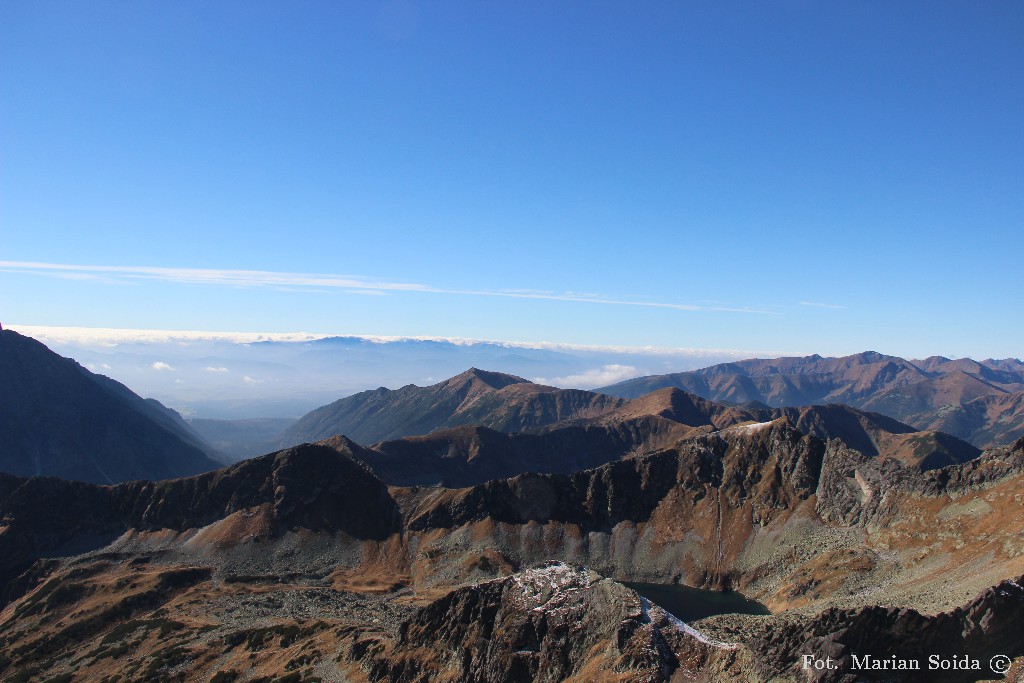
x,y
58,419
876,435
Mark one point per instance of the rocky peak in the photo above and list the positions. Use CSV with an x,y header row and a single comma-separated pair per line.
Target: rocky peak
x,y
476,376
550,622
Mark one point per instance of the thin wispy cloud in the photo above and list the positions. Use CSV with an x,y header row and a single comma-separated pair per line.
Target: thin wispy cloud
x,y
349,283
816,304
213,369
162,366
208,276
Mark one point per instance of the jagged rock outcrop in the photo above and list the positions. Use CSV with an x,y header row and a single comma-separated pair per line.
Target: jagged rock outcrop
x,y
876,435
466,456
855,640
551,623
309,487
768,465
855,489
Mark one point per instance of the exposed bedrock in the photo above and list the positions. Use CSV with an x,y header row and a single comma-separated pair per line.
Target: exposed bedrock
x,y
550,623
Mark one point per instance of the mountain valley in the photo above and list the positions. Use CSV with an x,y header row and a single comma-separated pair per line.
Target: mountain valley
x,y
495,545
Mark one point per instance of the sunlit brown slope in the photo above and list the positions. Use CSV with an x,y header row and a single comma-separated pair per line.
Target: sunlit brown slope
x,y
280,565
918,393
475,397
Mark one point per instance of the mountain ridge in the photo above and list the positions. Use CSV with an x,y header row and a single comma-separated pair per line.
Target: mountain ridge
x,y
913,392
242,557
480,397
57,418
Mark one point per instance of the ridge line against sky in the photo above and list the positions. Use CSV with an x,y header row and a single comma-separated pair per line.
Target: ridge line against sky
x,y
353,283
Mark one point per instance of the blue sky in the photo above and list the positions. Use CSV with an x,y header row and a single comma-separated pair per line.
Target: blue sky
x,y
774,176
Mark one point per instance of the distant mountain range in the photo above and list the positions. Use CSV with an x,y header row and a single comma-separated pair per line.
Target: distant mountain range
x,y
226,376
58,419
594,430
63,420
981,402
476,397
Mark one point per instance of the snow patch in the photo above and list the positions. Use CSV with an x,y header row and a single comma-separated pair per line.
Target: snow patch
x,y
552,588
865,488
678,623
748,428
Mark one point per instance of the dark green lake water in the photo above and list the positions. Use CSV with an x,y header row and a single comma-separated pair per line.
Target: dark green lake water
x,y
690,604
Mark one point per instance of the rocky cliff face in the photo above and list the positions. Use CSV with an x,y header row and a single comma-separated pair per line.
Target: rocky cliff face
x,y
552,623
762,508
854,489
466,456
876,435
803,525
855,640
728,465
308,487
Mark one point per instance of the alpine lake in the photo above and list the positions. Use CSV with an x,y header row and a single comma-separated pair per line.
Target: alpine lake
x,y
690,604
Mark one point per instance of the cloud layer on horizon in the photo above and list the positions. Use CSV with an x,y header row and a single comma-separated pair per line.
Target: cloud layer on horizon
x,y
594,378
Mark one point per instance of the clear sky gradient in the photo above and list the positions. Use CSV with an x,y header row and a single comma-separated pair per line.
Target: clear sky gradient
x,y
781,176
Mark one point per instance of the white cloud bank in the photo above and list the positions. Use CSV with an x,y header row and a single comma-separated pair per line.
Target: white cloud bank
x,y
162,366
597,377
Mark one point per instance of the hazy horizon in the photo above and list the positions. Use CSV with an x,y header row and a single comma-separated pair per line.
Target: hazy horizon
x,y
243,375
239,375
